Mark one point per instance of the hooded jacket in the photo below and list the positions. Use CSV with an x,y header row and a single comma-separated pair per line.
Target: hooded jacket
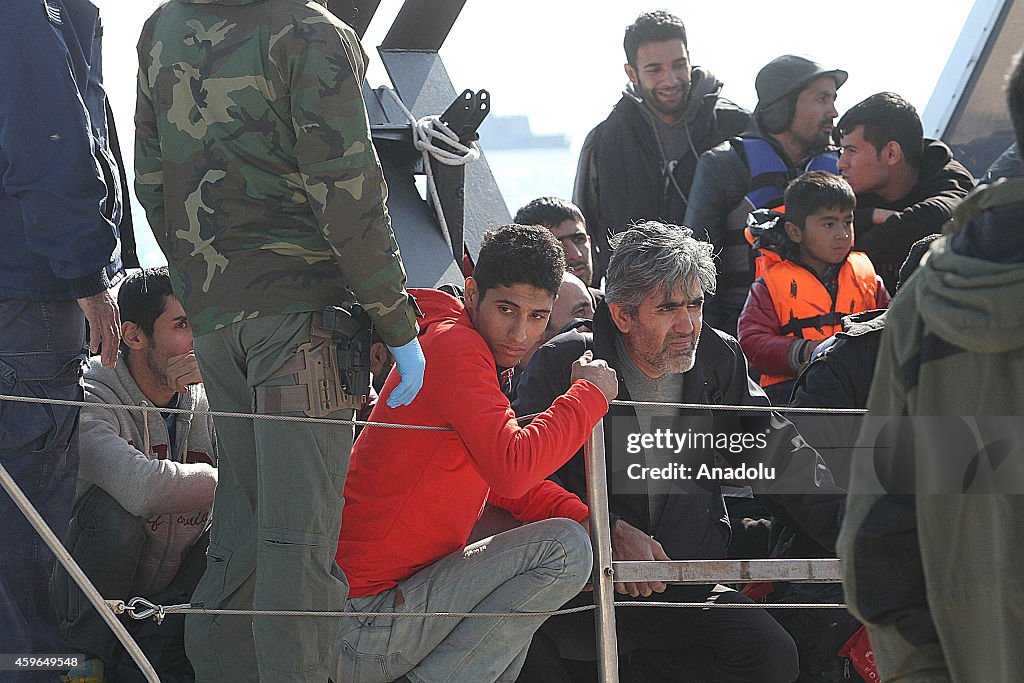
x,y
65,225
412,497
942,184
694,523
172,493
936,577
622,172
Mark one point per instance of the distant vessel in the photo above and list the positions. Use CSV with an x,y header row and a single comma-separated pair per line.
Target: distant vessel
x,y
513,132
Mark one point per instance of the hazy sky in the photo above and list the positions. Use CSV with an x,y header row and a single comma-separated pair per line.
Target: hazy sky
x,y
560,61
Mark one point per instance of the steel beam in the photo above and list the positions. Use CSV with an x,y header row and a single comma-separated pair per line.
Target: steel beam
x,y
601,539
730,571
422,25
365,9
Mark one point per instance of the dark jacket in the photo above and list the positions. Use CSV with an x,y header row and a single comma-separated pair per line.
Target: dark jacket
x,y
694,524
622,177
718,214
1007,165
63,195
942,184
937,577
839,377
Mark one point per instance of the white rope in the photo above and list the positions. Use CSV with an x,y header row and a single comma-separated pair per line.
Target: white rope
x,y
64,557
754,409
140,608
149,609
737,605
218,413
434,428
425,131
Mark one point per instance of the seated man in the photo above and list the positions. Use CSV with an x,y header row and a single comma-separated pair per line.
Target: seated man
x,y
573,302
412,497
650,329
907,186
381,362
145,485
565,221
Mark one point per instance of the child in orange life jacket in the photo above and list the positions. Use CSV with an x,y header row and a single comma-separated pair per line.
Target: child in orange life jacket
x,y
808,279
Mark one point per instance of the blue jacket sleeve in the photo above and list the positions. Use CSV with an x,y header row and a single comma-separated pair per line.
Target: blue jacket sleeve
x,y
47,151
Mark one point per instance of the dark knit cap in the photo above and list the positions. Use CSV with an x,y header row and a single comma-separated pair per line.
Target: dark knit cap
x,y
788,74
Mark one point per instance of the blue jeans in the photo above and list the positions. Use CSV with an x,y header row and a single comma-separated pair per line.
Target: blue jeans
x,y
41,355
535,568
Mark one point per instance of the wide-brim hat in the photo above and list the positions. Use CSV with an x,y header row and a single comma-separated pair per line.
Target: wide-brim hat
x,y
788,74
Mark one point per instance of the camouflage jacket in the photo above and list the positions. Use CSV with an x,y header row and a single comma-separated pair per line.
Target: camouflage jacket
x,y
255,166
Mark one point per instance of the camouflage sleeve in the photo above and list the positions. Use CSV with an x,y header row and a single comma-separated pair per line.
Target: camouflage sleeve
x,y
149,175
323,67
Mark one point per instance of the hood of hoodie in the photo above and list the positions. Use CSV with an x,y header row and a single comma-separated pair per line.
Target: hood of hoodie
x,y
436,307
975,302
703,84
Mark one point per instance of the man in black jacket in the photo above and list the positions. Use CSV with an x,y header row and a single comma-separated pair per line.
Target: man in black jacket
x,y
638,163
788,135
907,186
650,330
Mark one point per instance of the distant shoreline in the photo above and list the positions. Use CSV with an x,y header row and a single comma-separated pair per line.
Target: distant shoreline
x,y
513,132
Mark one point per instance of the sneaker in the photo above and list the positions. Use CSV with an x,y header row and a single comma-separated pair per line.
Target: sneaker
x,y
89,671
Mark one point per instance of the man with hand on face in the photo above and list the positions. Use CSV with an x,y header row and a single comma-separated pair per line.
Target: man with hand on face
x,y
146,484
789,134
412,497
650,330
639,163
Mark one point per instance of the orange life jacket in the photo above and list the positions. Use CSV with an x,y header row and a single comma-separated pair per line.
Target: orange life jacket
x,y
804,307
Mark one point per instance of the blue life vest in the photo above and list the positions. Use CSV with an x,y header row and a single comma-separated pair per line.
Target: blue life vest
x,y
769,174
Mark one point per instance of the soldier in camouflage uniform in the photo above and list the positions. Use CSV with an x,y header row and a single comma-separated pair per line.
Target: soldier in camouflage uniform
x,y
255,165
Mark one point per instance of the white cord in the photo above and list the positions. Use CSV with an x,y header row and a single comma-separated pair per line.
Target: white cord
x,y
425,131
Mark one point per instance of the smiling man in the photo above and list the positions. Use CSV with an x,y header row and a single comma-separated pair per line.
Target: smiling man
x,y
789,134
638,163
651,330
412,497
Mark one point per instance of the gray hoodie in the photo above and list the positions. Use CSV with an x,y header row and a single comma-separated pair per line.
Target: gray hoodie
x,y
171,493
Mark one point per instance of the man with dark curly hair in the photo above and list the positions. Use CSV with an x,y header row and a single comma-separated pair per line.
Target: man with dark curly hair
x,y
412,497
639,163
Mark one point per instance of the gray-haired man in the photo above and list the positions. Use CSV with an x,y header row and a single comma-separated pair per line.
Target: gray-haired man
x,y
650,329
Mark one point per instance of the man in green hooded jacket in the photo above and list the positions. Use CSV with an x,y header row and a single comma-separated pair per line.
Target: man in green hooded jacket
x,y
933,540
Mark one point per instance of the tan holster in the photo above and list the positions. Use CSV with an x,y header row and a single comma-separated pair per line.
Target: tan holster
x,y
318,390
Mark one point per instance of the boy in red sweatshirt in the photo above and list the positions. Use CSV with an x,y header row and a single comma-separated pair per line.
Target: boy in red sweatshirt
x,y
809,279
412,497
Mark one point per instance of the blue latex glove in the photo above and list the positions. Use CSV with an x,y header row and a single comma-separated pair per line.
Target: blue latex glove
x,y
410,363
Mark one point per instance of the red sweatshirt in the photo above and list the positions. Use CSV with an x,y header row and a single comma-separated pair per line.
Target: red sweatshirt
x,y
412,497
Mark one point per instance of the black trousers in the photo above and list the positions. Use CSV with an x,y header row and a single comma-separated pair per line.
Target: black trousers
x,y
106,541
669,643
